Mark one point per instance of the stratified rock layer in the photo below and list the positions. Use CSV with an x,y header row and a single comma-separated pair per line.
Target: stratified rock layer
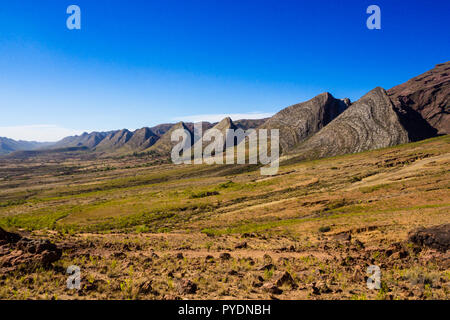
x,y
300,121
423,103
114,140
370,123
165,144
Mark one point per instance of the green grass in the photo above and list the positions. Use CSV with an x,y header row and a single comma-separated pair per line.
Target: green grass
x,y
253,227
375,188
45,220
12,203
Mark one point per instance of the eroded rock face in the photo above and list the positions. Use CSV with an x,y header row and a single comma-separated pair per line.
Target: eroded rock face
x,y
165,144
17,251
368,124
300,121
423,102
114,140
140,140
437,237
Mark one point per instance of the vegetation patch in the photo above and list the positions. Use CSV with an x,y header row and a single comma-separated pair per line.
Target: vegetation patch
x,y
204,194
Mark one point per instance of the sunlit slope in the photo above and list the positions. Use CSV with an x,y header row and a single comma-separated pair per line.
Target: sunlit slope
x,y
371,185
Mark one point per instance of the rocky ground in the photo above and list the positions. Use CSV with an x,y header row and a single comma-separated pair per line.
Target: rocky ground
x,y
139,267
137,230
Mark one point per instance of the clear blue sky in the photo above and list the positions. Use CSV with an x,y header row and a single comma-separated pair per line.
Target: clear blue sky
x,y
140,63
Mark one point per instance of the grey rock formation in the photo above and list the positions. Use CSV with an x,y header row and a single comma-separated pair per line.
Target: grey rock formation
x,y
370,123
114,140
246,124
164,145
141,139
90,140
161,129
300,121
222,127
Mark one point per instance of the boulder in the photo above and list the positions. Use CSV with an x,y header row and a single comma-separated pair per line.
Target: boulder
x,y
17,251
284,278
186,286
225,256
436,237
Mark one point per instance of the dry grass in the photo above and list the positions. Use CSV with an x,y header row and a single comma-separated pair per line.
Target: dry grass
x,y
125,220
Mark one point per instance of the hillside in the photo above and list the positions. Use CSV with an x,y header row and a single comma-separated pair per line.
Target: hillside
x,y
307,233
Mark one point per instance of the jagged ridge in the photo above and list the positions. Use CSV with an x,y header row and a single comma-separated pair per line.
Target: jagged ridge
x,y
370,123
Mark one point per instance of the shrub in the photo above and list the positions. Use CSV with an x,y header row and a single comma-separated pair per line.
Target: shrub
x,y
204,194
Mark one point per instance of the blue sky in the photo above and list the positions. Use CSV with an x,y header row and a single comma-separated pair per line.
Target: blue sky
x,y
140,63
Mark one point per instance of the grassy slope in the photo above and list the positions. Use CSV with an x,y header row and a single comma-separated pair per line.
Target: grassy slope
x,y
202,198
124,222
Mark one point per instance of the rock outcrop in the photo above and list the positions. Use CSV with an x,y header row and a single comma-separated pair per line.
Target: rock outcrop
x,y
423,103
17,251
140,140
115,140
437,237
224,125
246,124
164,145
420,106
300,121
370,123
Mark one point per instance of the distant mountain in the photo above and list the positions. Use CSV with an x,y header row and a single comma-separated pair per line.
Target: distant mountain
x,y
9,145
141,139
164,145
90,140
322,126
161,129
114,141
370,123
300,121
222,126
423,103
246,124
155,139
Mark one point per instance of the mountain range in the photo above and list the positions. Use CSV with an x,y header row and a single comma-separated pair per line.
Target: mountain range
x,y
9,145
323,126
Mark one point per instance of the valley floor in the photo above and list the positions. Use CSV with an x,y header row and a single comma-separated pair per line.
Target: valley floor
x,y
138,230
